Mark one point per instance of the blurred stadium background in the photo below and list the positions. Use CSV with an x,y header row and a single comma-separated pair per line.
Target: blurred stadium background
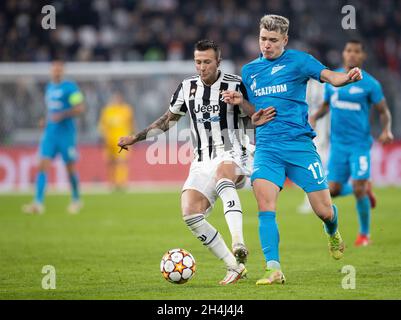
x,y
144,48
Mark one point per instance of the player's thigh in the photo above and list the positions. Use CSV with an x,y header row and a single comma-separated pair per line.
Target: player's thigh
x,y
339,168
321,203
193,202
360,164
266,194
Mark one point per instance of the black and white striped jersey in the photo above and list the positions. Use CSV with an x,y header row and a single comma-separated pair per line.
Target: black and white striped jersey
x,y
216,126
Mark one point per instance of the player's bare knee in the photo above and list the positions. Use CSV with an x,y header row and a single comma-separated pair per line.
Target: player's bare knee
x,y
266,205
225,171
325,212
359,189
222,175
335,189
70,168
44,165
189,208
334,192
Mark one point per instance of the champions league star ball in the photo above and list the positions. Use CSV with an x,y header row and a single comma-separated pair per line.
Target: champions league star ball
x,y
177,266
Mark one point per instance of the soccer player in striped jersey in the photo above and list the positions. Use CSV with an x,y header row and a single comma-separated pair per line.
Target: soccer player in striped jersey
x,y
221,152
350,139
284,146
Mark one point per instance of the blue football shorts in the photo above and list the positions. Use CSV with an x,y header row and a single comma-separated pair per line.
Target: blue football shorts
x,y
296,159
65,145
346,162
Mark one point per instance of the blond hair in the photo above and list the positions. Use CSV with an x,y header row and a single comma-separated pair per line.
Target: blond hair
x,y
272,22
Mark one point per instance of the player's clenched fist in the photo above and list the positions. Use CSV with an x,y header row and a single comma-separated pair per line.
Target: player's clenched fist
x,y
355,74
386,137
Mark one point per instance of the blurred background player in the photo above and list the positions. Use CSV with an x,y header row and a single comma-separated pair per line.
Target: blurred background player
x,y
350,139
116,120
220,148
64,102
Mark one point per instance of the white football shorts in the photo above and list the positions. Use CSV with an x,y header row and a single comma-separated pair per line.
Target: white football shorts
x,y
202,174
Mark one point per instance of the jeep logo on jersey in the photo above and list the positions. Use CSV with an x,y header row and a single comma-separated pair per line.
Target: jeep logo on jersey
x,y
209,108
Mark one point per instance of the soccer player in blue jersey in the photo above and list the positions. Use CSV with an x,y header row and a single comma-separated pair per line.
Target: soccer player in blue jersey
x,y
284,146
64,102
350,139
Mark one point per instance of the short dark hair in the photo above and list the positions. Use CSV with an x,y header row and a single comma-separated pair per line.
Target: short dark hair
x,y
356,41
206,44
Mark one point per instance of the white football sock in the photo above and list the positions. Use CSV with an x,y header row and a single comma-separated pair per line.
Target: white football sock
x,y
210,238
226,190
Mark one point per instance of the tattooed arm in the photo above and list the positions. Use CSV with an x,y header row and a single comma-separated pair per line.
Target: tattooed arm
x,y
164,123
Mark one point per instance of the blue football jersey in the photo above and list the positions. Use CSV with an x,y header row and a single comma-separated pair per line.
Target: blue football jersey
x,y
61,97
281,83
349,107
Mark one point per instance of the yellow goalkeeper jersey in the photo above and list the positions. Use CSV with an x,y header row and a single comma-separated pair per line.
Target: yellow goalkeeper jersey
x,y
116,120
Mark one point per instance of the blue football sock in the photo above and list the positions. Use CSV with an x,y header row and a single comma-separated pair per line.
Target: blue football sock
x,y
41,181
363,208
346,189
269,236
74,181
331,225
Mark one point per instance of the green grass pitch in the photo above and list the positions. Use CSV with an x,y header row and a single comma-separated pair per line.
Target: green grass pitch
x,y
112,250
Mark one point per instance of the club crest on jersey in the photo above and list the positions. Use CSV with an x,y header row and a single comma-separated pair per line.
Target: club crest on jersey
x,y
277,68
209,108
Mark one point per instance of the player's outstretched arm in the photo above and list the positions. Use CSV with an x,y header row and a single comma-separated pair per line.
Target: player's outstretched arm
x,y
386,135
323,109
339,79
164,123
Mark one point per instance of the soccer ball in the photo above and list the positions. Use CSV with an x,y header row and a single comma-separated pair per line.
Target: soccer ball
x,y
177,266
